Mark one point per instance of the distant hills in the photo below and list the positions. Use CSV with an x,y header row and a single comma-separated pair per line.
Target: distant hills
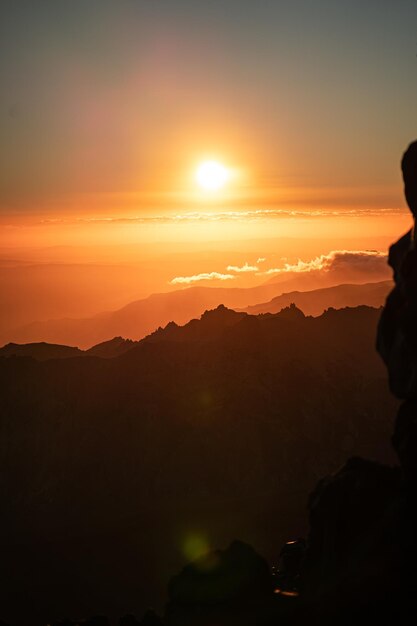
x,y
43,351
142,317
337,297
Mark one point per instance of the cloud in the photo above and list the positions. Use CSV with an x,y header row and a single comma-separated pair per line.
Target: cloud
x,y
244,268
261,259
350,261
371,261
339,264
187,280
232,216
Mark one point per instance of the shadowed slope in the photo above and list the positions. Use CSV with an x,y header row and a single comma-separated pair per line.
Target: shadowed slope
x,y
112,463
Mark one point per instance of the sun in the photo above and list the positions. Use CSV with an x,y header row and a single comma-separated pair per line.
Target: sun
x,y
212,175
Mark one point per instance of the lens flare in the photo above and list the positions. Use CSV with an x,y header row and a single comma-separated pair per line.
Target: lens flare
x,y
195,545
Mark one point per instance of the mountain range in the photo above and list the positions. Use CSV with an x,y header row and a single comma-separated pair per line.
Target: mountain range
x,y
139,318
113,467
318,300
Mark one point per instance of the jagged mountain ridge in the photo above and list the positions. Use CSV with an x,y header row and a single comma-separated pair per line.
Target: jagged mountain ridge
x,y
208,327
138,319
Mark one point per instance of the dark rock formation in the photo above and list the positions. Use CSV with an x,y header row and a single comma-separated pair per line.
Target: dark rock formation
x,y
150,619
233,586
291,312
404,438
362,547
397,332
97,620
287,574
357,560
128,620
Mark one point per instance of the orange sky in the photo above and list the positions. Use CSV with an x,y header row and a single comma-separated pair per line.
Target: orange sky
x,y
107,109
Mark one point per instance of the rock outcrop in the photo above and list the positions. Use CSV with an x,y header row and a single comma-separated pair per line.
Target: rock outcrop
x,y
362,545
232,586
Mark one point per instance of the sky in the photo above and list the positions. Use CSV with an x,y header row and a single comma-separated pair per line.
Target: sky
x,y
107,107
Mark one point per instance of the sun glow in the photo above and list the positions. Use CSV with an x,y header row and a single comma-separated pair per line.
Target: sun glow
x,y
212,175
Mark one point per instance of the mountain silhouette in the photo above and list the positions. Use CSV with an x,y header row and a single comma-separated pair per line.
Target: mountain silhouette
x,y
316,301
40,351
46,351
112,463
109,349
140,318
